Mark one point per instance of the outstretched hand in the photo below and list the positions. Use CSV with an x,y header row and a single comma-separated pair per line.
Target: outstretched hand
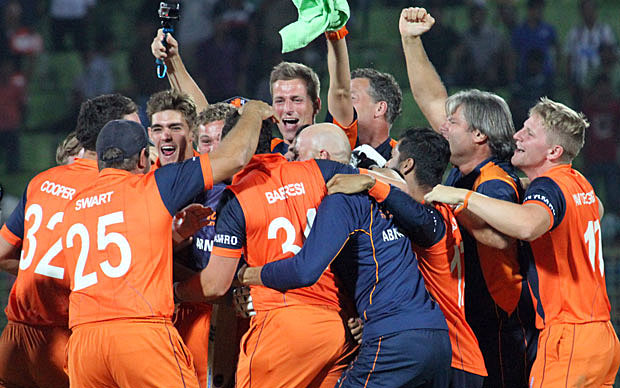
x,y
446,194
414,22
189,220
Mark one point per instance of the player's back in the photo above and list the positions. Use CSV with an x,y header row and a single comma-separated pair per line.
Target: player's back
x,y
279,200
570,280
118,250
443,268
40,293
390,293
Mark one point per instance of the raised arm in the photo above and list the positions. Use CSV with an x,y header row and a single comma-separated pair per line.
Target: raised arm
x,y
178,76
339,101
239,145
428,90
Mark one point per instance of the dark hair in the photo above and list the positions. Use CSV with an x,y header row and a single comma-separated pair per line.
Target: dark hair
x,y
96,112
264,139
127,164
429,150
383,87
173,100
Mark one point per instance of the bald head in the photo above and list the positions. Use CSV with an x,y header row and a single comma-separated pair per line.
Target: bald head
x,y
322,141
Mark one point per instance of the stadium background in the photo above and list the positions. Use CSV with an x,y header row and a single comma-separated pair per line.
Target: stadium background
x,y
118,36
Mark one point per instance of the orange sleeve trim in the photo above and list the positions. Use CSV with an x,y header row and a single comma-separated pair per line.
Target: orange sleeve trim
x,y
207,173
275,142
9,236
533,201
363,171
379,191
393,143
350,131
227,252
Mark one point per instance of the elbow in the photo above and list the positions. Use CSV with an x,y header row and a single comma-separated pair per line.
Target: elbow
x,y
528,233
341,94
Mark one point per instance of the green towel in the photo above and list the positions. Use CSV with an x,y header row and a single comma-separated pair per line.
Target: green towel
x,y
315,17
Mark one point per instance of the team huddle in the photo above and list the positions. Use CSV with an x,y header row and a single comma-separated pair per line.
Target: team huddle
x,y
363,269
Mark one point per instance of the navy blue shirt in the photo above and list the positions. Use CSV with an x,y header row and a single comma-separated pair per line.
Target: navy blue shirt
x,y
389,292
545,190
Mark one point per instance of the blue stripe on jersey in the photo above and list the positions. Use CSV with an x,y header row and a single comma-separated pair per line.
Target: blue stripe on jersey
x,y
546,191
525,251
179,183
15,223
422,223
389,289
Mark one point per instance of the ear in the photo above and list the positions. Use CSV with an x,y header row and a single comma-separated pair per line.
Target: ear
x,y
144,164
323,154
381,109
478,136
555,152
406,166
317,106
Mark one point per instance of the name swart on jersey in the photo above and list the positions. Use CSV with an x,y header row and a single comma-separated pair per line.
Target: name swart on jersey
x,y
284,192
204,244
225,239
95,200
58,190
584,198
392,234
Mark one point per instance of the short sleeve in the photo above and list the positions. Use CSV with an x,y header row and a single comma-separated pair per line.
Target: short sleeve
x,y
230,233
179,183
545,192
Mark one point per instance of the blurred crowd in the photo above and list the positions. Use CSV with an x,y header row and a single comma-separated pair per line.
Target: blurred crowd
x,y
230,47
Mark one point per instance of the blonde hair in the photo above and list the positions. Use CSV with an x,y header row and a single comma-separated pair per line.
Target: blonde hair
x,y
564,126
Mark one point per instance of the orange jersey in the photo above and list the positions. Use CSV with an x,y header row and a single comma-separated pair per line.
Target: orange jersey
x,y
277,201
568,284
117,241
442,266
40,294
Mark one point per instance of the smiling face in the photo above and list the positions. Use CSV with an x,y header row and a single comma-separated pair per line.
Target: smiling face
x,y
209,136
171,135
293,105
461,139
532,145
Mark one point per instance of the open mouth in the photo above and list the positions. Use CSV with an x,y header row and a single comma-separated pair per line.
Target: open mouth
x,y
167,150
290,123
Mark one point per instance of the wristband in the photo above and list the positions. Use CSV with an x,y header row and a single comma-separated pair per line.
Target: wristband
x,y
465,203
337,35
379,191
